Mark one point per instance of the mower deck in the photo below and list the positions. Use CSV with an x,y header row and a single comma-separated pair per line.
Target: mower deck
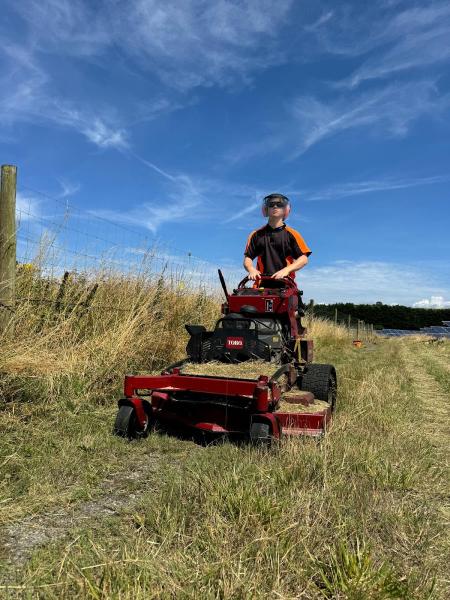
x,y
221,405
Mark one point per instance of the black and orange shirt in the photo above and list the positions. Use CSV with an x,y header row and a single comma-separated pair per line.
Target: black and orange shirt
x,y
275,248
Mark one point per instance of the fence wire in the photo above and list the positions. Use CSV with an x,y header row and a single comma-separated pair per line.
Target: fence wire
x,y
56,236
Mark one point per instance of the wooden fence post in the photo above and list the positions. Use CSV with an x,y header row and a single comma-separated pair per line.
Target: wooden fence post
x,y
7,243
335,316
311,311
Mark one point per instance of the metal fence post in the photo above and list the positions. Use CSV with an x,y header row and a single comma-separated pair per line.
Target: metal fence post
x,y
7,243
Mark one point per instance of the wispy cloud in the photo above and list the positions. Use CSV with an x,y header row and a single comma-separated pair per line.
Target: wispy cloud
x,y
388,111
26,95
68,188
180,202
400,37
69,26
245,211
320,22
190,44
198,43
357,188
210,42
187,198
419,37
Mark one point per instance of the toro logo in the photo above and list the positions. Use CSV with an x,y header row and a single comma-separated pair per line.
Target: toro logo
x,y
234,343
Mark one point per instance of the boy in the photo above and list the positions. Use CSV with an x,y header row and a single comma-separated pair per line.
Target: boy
x,y
280,249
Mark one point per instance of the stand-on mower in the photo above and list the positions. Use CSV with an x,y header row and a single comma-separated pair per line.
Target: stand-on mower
x,y
261,324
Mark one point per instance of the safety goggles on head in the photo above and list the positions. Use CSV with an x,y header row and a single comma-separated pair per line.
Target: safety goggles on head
x,y
276,200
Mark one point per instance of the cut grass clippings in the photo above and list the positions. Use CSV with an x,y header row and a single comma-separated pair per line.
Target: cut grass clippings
x,y
251,369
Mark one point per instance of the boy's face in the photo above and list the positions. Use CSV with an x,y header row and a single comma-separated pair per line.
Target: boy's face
x,y
276,208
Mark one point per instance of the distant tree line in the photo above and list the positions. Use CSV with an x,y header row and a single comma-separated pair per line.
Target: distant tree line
x,y
384,316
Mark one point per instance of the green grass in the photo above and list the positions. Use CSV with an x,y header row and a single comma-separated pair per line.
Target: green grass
x,y
356,516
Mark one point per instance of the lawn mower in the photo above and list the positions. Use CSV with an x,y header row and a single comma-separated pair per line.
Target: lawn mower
x,y
261,325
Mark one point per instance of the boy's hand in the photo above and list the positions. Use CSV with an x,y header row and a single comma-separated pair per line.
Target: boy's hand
x,y
280,274
254,274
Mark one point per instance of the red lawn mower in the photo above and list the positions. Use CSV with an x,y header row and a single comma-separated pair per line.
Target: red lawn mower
x,y
259,323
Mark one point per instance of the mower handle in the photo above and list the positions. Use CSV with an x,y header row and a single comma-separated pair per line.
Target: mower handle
x,y
288,281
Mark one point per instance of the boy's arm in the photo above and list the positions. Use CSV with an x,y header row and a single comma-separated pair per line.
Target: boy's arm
x,y
298,264
299,252
253,273
249,255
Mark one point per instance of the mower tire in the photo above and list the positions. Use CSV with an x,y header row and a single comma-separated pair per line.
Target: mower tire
x,y
125,424
260,434
321,381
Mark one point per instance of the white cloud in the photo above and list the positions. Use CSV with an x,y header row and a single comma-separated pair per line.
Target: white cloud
x,y
433,302
103,135
368,281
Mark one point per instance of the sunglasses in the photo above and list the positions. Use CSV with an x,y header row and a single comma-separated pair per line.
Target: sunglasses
x,y
276,205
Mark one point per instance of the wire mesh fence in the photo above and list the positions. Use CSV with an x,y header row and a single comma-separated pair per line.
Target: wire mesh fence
x,y
59,236
60,244
358,328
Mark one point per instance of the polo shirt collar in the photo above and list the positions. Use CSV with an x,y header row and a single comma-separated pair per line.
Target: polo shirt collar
x,y
269,228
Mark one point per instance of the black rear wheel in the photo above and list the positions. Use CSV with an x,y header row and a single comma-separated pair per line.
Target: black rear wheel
x,y
321,381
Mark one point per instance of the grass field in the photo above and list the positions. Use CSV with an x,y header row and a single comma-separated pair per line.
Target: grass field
x,y
361,515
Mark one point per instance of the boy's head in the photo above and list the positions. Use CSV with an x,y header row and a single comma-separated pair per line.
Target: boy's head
x,y
276,205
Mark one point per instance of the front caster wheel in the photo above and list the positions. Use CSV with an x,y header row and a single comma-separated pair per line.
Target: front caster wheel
x,y
260,434
126,424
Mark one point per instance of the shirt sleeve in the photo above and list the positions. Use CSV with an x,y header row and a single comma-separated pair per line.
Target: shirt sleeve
x,y
250,249
298,245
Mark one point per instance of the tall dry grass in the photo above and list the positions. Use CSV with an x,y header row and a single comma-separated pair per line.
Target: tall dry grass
x,y
79,334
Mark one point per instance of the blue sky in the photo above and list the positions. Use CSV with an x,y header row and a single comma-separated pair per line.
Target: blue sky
x,y
175,118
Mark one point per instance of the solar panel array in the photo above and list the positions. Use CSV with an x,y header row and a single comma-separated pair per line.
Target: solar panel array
x,y
436,331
